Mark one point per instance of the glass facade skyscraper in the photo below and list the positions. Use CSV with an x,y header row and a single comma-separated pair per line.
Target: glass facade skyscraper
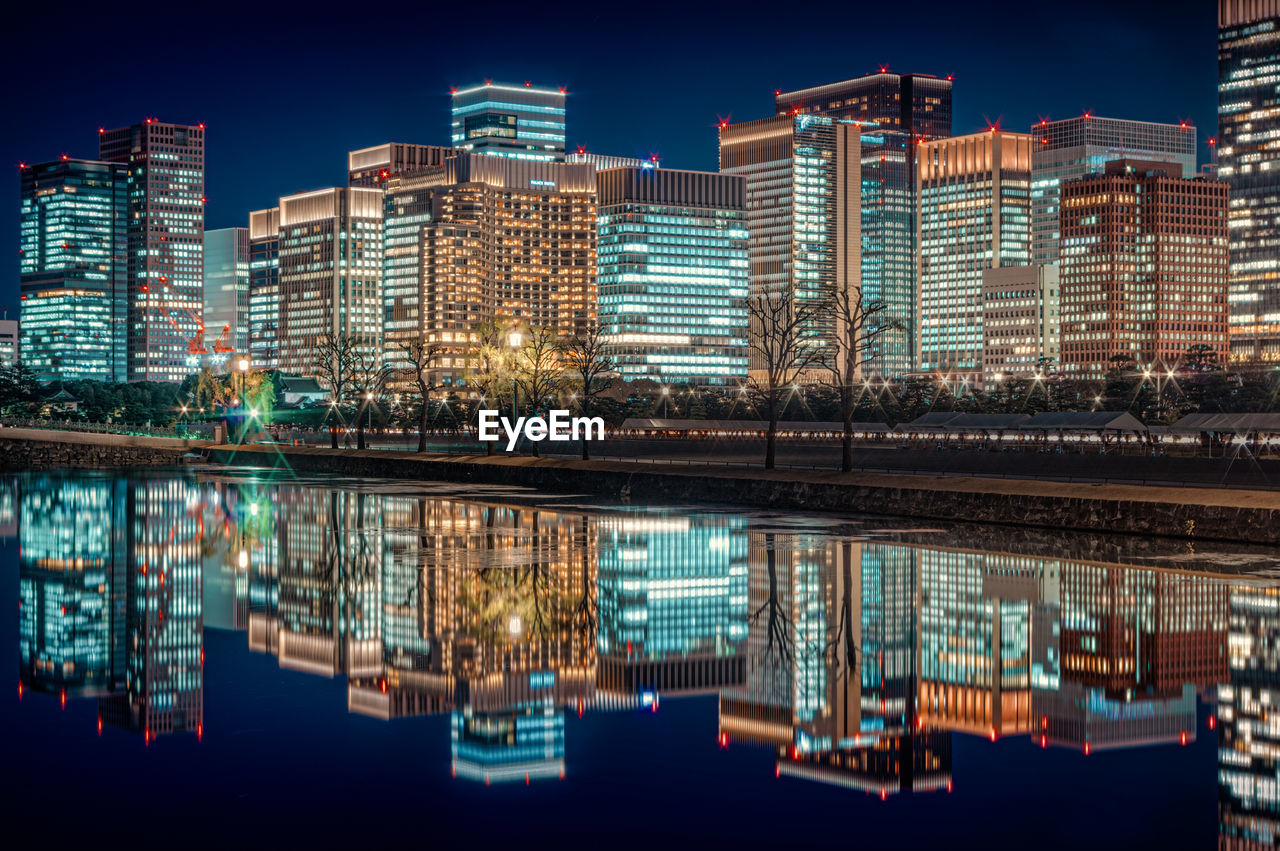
x,y
519,121
166,245
264,288
226,292
918,105
72,249
974,214
1074,147
888,234
1249,160
673,274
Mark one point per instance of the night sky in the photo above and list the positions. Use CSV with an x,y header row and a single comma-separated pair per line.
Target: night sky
x,y
287,89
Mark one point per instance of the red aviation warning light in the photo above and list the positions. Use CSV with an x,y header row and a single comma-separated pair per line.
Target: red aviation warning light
x,y
528,85
884,69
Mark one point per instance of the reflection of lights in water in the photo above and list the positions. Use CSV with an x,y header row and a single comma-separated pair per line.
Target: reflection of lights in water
x,y
253,509
514,626
244,559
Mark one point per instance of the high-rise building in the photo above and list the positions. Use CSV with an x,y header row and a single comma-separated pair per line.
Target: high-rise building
x,y
918,105
1143,268
519,121
803,216
1249,161
165,245
264,288
375,166
73,272
888,231
673,274
974,214
510,239
226,291
9,345
1021,325
330,272
1074,147
603,161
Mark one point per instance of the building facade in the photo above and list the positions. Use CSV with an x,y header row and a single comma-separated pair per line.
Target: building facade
x,y
1020,322
508,239
888,248
673,274
264,288
330,272
73,269
10,347
523,122
974,214
1143,267
226,292
918,105
373,167
1074,147
803,216
165,335
1249,161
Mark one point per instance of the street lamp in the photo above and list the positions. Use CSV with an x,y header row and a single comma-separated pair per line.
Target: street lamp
x,y
244,424
514,339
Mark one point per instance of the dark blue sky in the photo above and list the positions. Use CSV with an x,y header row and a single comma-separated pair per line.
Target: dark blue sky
x,y
287,89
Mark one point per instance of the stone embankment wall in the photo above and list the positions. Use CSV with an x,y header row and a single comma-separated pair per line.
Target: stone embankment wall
x,y
31,449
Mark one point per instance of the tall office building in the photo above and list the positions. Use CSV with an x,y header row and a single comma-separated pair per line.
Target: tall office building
x,y
1249,161
918,105
1021,322
888,262
73,271
375,166
803,213
974,214
330,272
523,122
166,245
226,291
10,348
507,238
264,288
603,161
1143,267
673,274
1074,147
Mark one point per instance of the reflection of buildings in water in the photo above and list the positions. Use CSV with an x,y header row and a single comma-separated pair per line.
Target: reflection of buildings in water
x,y
1091,719
8,507
525,743
110,584
917,761
1249,723
672,593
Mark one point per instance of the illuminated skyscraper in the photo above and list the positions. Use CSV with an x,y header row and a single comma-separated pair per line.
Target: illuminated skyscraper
x,y
974,214
888,256
673,274
1074,147
165,245
507,238
1143,268
330,275
373,167
802,209
917,105
519,121
73,270
1021,322
1249,161
264,288
226,291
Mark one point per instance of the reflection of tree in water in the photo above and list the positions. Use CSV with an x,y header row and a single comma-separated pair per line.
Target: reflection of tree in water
x,y
247,531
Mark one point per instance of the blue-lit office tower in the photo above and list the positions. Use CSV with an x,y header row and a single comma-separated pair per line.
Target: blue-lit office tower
x,y
672,603
523,743
1071,148
672,274
1249,160
72,583
226,292
264,288
520,121
166,245
888,232
73,272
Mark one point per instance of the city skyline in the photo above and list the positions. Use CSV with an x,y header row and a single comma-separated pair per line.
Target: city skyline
x,y
1169,58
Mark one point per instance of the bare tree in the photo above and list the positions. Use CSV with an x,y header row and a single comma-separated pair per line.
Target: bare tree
x,y
859,326
586,355
422,357
538,369
490,360
369,378
333,359
783,346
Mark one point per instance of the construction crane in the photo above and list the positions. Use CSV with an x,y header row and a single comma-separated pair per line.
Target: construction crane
x,y
220,345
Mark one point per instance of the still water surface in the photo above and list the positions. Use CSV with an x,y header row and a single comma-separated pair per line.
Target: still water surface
x,y
227,657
